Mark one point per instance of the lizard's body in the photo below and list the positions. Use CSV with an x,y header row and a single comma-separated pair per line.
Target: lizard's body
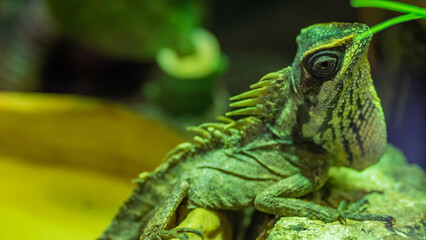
x,y
301,120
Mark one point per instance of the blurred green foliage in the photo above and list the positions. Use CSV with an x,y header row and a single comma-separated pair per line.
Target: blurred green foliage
x,y
131,29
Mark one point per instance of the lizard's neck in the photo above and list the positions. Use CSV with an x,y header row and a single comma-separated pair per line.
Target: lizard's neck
x,y
285,125
351,129
357,130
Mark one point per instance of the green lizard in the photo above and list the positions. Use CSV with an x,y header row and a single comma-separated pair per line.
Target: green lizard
x,y
297,122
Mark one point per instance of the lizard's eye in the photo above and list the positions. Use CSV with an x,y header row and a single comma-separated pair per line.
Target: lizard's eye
x,y
325,64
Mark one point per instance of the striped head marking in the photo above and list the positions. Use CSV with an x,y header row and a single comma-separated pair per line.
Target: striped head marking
x,y
337,105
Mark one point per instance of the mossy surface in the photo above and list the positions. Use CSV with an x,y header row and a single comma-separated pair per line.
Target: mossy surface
x,y
392,186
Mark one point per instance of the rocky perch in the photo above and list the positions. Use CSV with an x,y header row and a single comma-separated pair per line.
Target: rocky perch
x,y
392,186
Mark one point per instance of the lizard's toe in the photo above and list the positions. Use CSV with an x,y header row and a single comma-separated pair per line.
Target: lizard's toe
x,y
356,211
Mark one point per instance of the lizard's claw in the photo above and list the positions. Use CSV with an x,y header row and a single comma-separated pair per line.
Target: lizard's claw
x,y
359,206
179,233
356,212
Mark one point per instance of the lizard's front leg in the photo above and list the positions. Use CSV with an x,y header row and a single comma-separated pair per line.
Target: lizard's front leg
x,y
156,225
280,199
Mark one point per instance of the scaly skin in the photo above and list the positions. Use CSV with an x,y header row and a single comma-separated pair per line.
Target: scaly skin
x,y
322,111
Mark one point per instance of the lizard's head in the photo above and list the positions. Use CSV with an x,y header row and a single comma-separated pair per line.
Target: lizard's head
x,y
337,105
